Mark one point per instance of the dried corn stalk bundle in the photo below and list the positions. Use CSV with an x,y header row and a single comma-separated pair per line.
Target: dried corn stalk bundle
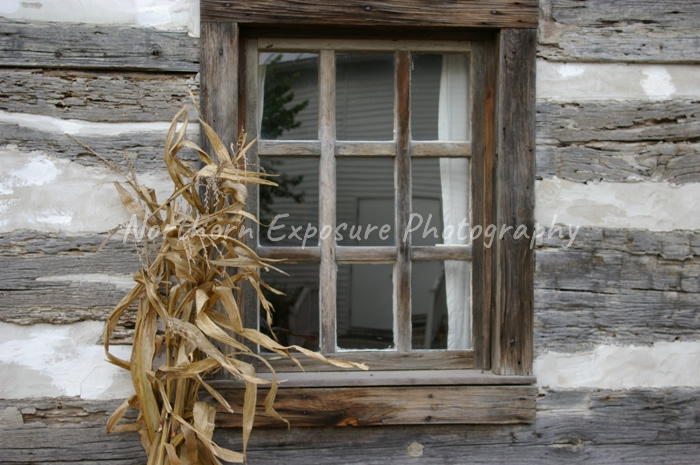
x,y
189,290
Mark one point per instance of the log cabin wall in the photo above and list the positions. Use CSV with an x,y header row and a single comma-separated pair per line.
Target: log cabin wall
x,y
617,297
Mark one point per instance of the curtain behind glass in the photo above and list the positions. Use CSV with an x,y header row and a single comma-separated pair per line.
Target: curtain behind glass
x,y
453,125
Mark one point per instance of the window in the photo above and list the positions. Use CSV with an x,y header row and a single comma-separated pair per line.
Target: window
x,y
374,176
429,141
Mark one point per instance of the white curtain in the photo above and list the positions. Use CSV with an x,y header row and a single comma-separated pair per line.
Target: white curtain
x,y
453,125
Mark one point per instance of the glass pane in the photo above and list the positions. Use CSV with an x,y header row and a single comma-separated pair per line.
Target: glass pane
x,y
365,201
289,100
364,96
365,307
439,97
441,309
295,319
289,211
440,201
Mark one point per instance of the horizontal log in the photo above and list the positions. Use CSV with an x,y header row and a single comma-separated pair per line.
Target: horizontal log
x,y
677,163
33,291
602,269
74,445
397,405
62,431
676,120
642,426
411,13
143,149
678,13
619,141
574,321
100,96
87,46
616,287
668,245
399,452
651,31
571,427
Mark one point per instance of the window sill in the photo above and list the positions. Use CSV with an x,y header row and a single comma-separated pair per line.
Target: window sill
x,y
390,398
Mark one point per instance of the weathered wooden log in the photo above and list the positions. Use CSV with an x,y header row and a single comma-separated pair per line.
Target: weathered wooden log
x,y
644,426
101,96
85,46
619,141
648,31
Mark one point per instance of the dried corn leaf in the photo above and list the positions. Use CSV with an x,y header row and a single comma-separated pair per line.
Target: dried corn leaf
x,y
249,400
141,363
188,285
172,455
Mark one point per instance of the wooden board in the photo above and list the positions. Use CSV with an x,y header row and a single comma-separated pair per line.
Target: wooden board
x,y
484,76
648,31
403,202
85,46
219,78
396,405
515,204
407,13
102,96
385,360
643,426
328,272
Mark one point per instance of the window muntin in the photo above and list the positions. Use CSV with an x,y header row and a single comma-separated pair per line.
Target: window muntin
x,y
393,173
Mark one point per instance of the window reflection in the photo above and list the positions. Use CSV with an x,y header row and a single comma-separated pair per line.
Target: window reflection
x,y
365,201
364,96
295,319
289,100
289,211
365,307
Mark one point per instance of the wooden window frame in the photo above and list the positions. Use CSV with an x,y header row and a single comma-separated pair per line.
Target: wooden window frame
x,y
498,388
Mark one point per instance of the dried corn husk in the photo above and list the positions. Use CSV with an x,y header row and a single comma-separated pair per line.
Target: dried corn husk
x,y
188,287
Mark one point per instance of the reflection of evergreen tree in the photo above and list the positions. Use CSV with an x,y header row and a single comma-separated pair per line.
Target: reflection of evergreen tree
x,y
278,117
285,188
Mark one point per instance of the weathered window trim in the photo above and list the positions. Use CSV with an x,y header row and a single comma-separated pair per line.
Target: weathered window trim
x,y
503,42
